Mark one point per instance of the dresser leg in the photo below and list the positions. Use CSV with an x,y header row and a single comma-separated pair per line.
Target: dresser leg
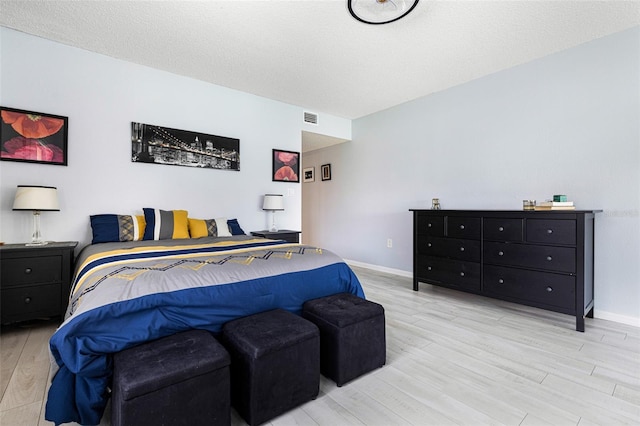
x,y
580,323
415,285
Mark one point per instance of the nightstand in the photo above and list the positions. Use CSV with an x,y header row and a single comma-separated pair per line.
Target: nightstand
x,y
35,280
283,234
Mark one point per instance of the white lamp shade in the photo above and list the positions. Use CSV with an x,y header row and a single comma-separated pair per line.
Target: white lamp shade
x,y
42,198
273,202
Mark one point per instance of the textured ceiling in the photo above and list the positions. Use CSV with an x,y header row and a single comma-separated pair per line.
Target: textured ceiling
x,y
313,53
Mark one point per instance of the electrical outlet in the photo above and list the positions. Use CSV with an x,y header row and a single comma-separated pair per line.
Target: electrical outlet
x,y
389,243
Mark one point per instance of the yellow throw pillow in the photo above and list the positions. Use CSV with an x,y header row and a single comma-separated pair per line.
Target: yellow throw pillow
x,y
199,228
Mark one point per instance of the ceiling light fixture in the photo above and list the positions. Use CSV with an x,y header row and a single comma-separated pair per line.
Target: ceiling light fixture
x,y
378,12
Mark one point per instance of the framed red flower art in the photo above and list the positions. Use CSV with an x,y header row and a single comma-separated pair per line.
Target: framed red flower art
x,y
286,166
33,137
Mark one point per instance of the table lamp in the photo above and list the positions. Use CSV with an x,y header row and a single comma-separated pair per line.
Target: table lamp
x,y
37,199
273,203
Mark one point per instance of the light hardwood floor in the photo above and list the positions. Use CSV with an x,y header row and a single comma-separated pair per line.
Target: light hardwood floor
x,y
452,358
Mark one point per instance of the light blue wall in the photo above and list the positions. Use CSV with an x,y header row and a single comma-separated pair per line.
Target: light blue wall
x,y
102,96
564,124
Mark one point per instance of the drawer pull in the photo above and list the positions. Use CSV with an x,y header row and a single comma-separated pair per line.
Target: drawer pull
x,y
549,258
428,268
461,226
500,281
461,248
501,228
27,300
500,253
549,231
428,225
462,274
27,270
549,289
428,244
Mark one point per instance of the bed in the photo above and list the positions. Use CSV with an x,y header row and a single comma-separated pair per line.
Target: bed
x,y
126,293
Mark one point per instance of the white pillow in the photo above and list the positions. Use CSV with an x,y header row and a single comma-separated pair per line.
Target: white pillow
x,y
223,228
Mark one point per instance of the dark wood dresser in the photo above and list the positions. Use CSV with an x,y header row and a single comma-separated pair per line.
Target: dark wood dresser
x,y
35,280
536,258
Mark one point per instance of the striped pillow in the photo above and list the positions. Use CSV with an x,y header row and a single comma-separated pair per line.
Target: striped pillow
x,y
165,224
107,228
199,228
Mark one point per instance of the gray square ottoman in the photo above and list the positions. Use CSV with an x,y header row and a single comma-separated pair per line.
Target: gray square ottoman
x,y
275,363
352,335
182,379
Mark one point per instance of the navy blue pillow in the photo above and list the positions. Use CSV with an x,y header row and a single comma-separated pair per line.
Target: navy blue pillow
x,y
105,228
234,227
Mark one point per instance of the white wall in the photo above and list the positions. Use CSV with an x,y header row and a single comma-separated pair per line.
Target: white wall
x,y
102,96
565,124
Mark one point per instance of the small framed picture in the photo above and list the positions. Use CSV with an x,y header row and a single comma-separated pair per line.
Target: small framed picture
x,y
33,137
285,166
308,174
325,170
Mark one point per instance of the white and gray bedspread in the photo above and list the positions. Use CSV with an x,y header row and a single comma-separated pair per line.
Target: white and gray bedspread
x,y
125,294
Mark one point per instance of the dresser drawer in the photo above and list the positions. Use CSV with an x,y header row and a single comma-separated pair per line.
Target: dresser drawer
x,y
502,229
532,286
430,225
463,227
551,231
450,247
451,273
26,302
31,270
559,259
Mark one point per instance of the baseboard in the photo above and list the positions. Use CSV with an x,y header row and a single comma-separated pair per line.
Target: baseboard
x,y
623,319
378,268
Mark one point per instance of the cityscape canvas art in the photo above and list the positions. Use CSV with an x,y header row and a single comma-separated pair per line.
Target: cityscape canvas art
x,y
163,145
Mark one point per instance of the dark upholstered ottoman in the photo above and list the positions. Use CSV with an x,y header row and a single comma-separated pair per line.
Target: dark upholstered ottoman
x,y
275,363
352,335
182,379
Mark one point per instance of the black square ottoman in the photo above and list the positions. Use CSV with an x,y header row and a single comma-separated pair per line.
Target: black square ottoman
x,y
182,379
275,363
352,335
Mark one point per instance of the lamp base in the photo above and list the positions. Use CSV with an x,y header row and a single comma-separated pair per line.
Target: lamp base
x,y
38,243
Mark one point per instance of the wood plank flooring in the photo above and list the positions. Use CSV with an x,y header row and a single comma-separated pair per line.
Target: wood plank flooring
x,y
452,359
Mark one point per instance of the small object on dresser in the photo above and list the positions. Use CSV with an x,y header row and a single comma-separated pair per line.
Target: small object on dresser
x,y
435,204
555,205
560,198
528,204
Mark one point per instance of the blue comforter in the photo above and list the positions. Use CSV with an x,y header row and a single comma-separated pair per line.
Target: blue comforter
x,y
125,294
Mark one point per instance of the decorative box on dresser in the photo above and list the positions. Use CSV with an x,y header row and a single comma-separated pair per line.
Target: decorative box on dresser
x,y
35,280
537,258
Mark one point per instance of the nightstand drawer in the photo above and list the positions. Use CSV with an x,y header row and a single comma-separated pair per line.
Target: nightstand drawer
x,y
27,302
31,270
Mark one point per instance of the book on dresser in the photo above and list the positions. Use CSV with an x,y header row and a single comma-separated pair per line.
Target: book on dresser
x,y
555,205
